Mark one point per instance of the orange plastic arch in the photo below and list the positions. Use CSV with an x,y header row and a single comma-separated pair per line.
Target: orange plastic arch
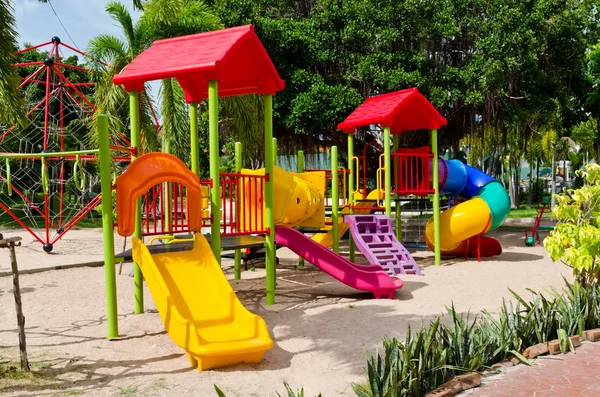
x,y
149,170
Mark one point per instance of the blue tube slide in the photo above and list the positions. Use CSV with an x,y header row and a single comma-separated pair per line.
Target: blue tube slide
x,y
468,182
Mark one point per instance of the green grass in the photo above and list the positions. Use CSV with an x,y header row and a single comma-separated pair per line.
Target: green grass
x,y
528,213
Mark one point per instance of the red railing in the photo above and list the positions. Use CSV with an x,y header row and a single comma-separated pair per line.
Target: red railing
x,y
242,209
242,204
412,173
166,213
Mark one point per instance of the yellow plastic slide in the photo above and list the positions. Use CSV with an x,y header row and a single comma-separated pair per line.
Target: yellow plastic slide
x,y
199,308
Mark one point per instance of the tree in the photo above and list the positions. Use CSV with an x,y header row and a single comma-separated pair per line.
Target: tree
x,y
12,106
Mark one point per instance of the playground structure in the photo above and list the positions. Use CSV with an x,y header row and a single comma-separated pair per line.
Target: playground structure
x,y
159,198
49,194
420,172
532,236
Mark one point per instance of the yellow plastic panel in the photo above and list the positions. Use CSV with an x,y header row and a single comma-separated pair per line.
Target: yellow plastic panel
x,y
310,207
326,239
199,308
460,223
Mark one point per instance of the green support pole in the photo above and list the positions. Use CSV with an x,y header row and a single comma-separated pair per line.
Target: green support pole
x,y
237,255
436,200
194,136
274,151
351,189
300,170
388,175
213,154
269,199
168,189
397,206
138,278
107,229
334,199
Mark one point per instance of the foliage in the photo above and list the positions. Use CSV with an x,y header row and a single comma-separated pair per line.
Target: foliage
x,y
497,65
436,353
12,107
576,238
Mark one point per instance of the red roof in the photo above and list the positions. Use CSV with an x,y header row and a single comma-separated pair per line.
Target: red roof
x,y
404,110
235,57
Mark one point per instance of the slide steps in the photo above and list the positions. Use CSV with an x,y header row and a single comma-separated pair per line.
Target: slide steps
x,y
374,236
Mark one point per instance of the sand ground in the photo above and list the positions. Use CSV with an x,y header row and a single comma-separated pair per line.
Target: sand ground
x,y
322,329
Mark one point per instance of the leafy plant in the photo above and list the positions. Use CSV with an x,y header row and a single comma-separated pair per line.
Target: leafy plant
x,y
436,353
576,238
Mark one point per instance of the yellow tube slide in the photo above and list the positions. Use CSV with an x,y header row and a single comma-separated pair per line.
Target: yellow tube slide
x,y
298,198
460,223
199,308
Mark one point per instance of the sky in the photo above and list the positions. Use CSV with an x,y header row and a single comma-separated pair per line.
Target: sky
x,y
83,19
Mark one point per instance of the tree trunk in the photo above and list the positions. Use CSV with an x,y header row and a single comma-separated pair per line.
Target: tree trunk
x,y
553,182
530,189
513,188
537,181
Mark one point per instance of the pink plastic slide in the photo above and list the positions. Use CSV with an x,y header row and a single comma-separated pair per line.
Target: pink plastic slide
x,y
370,278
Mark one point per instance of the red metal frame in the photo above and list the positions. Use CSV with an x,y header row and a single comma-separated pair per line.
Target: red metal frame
x,y
235,187
412,173
536,224
62,89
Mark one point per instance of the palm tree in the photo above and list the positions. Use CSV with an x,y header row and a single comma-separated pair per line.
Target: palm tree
x,y
118,53
241,116
12,105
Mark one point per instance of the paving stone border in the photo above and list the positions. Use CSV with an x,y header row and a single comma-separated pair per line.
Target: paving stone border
x,y
473,379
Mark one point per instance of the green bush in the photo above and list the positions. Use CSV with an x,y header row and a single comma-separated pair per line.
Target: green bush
x,y
576,238
436,353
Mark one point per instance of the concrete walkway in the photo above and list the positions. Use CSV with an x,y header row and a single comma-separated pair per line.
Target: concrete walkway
x,y
568,375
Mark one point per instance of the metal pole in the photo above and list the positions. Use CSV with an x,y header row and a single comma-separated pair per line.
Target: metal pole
x,y
237,254
213,154
300,170
436,200
388,174
334,199
269,199
138,278
351,189
194,136
397,206
107,228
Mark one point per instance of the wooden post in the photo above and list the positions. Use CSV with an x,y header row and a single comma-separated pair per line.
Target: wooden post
x,y
10,243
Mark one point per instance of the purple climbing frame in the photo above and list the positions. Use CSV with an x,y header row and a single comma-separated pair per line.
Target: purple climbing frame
x,y
375,238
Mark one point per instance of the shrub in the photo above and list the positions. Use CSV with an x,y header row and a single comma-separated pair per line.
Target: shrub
x,y
576,238
436,353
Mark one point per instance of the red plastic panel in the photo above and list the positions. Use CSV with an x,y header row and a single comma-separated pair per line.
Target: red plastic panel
x,y
235,57
403,110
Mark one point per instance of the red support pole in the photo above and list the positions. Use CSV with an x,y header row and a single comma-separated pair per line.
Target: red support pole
x,y
32,48
47,109
20,222
68,83
82,53
31,77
